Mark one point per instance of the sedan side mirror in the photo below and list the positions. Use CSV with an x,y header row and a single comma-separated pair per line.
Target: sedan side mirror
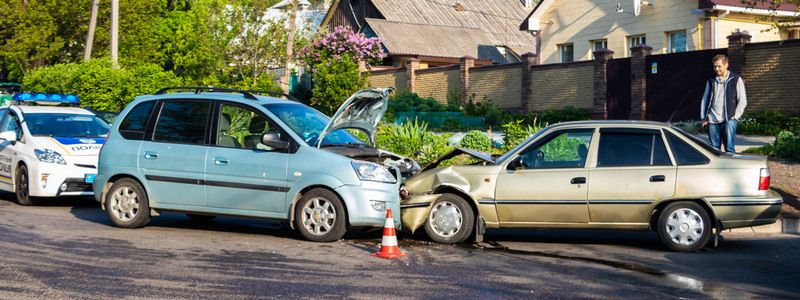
x,y
273,140
516,164
10,136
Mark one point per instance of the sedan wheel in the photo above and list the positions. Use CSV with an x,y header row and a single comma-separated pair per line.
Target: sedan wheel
x,y
450,221
320,216
684,226
127,205
22,189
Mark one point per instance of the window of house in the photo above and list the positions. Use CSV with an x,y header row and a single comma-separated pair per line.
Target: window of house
x,y
676,41
634,40
598,45
566,52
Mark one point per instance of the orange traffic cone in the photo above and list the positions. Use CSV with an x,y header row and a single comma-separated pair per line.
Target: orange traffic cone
x,y
389,247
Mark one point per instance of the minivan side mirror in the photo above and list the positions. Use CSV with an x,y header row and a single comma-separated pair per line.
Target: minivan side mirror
x,y
10,136
273,140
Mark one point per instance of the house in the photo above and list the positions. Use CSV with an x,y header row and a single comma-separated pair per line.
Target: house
x,y
439,32
572,30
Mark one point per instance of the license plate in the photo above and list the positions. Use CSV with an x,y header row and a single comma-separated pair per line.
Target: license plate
x,y
89,178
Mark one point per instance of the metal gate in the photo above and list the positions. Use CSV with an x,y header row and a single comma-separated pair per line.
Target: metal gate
x,y
618,100
676,82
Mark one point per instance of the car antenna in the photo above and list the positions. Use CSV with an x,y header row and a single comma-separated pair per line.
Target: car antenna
x,y
679,106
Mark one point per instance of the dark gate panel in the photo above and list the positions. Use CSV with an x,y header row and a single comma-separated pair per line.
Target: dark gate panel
x,y
674,92
618,101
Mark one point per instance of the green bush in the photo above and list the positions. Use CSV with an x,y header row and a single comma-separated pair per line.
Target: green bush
x,y
476,140
767,123
787,145
486,108
335,80
412,139
98,85
551,116
403,101
516,133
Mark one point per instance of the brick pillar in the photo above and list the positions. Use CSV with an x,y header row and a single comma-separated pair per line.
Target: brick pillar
x,y
736,44
362,66
528,61
639,68
412,65
599,108
465,63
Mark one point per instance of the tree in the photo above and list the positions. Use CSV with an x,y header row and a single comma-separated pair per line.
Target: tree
x,y
335,79
779,23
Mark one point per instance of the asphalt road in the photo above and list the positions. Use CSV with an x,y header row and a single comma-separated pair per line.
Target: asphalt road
x,y
68,249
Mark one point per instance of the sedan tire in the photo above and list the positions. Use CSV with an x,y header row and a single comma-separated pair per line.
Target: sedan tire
x,y
22,187
684,226
127,205
450,220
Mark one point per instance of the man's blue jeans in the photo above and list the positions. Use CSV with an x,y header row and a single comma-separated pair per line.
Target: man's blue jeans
x,y
724,132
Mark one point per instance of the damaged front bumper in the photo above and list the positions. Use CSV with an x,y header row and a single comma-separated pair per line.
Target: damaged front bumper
x,y
415,210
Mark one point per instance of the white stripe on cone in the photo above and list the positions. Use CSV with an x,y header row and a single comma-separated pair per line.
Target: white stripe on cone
x,y
389,223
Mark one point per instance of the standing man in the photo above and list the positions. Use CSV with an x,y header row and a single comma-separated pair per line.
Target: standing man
x,y
723,104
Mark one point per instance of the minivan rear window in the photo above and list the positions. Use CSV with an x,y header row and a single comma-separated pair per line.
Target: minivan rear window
x,y
135,123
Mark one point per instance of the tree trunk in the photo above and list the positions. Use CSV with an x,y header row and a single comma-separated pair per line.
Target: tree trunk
x,y
289,47
87,53
114,33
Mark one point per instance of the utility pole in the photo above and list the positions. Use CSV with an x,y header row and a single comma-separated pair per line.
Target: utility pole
x,y
87,52
114,33
285,81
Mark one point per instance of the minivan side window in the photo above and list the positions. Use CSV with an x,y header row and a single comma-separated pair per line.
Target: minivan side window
x,y
182,122
619,148
242,128
135,123
684,153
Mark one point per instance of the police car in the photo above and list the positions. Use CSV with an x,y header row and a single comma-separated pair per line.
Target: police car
x,y
48,151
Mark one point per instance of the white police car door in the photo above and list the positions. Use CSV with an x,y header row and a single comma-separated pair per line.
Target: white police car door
x,y
6,155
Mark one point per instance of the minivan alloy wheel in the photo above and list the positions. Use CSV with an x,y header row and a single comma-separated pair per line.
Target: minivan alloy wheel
x,y
125,204
318,216
684,226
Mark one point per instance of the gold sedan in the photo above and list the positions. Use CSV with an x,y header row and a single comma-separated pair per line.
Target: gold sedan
x,y
631,175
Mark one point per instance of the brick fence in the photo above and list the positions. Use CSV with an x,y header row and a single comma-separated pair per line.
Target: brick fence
x,y
769,70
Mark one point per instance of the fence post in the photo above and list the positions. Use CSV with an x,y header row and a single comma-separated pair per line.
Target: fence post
x,y
528,61
465,63
362,66
599,107
736,56
639,55
411,69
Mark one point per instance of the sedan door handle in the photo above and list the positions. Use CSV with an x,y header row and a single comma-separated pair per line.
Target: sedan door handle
x,y
220,161
150,155
657,178
578,180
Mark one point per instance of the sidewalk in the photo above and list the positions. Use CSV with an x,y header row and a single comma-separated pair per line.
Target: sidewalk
x,y
743,142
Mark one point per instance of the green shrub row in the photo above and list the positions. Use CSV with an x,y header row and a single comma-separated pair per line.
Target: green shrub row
x,y
786,146
768,123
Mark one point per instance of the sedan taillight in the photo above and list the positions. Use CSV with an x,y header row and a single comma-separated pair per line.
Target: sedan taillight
x,y
763,180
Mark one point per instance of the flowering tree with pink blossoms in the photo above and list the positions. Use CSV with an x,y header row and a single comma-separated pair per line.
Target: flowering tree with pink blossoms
x,y
333,60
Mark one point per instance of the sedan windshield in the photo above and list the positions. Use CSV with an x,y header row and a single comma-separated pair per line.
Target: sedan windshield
x,y
66,125
308,123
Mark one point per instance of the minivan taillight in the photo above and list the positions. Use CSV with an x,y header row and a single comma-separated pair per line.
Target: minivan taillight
x,y
763,180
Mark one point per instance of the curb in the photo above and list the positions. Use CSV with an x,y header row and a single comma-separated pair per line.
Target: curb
x,y
789,225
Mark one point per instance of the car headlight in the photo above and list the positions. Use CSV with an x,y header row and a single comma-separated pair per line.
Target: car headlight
x,y
49,156
372,172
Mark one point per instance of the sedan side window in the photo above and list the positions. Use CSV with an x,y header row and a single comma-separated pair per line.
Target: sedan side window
x,y
627,149
240,127
567,149
11,123
685,154
182,122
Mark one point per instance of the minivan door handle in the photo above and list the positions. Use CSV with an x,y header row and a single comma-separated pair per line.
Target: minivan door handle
x,y
578,180
150,155
220,161
657,178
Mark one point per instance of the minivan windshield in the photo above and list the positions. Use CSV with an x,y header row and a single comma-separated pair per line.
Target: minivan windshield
x,y
66,125
308,123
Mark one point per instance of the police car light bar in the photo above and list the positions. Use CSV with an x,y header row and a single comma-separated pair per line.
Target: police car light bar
x,y
46,98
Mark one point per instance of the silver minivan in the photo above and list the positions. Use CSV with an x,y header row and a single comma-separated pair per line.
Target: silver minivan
x,y
211,151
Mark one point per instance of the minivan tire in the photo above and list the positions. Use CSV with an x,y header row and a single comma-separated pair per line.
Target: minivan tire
x,y
22,187
684,226
320,216
127,205
450,220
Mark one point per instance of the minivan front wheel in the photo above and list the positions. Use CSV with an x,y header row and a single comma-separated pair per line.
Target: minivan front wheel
x,y
320,216
127,205
684,226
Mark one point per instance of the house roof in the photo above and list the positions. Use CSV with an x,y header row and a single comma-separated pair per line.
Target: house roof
x,y
401,38
758,5
498,21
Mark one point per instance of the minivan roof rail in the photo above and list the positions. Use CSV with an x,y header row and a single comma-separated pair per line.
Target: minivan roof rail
x,y
274,94
210,89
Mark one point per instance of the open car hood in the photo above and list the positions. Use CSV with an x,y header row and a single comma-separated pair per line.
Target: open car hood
x,y
456,152
362,111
